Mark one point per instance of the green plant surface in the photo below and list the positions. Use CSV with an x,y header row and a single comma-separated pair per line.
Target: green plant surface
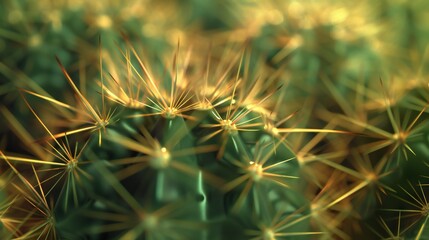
x,y
207,120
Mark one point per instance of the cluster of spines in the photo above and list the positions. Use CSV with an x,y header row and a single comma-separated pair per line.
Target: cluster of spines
x,y
170,136
352,176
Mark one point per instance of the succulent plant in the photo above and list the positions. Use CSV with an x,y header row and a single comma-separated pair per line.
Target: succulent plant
x,y
214,120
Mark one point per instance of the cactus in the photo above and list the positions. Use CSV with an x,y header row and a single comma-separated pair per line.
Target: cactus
x,y
214,120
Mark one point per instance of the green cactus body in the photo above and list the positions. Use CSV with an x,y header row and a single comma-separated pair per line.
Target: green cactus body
x,y
215,120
